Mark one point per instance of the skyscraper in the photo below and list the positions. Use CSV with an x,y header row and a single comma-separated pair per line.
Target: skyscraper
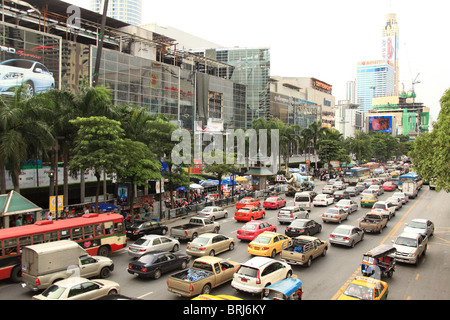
x,y
128,11
390,46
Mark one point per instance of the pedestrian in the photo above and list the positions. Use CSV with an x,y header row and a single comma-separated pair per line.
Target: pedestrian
x,y
19,221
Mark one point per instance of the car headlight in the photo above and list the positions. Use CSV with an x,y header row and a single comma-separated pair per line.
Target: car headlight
x,y
412,255
13,75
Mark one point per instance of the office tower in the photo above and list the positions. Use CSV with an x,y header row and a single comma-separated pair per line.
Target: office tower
x,y
350,91
390,46
128,11
374,79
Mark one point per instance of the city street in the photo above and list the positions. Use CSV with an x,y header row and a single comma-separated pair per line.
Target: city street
x,y
325,277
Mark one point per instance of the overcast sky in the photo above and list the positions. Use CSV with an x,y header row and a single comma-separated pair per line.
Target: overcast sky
x,y
323,39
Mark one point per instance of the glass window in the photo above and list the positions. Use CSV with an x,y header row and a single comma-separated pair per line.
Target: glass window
x,y
109,227
64,234
88,232
77,233
99,229
51,236
10,246
24,241
38,238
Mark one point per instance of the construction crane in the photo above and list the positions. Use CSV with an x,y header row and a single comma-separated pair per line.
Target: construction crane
x,y
412,86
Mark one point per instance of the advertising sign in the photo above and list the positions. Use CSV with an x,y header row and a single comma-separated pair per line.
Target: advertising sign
x,y
28,58
56,203
381,124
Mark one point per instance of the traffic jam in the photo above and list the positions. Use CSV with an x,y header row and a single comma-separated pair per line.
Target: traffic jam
x,y
281,233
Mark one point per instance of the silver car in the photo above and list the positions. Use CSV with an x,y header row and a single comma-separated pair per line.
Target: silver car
x,y
396,201
213,213
346,235
334,215
402,196
289,214
348,206
424,227
152,242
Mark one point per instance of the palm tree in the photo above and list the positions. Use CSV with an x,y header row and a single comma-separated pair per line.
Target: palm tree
x,y
316,133
306,138
22,128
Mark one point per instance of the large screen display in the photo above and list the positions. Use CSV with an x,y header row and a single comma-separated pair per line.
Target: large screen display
x,y
381,124
30,59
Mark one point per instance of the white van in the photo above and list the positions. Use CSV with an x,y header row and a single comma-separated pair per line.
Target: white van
x,y
303,200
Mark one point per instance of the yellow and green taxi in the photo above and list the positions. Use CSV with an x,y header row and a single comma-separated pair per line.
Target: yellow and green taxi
x,y
268,244
368,200
365,288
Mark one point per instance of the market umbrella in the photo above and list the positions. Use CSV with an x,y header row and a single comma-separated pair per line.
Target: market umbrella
x,y
209,183
241,179
195,186
106,206
181,189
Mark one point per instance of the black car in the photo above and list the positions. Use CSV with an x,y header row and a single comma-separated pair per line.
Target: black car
x,y
341,194
155,263
143,227
300,227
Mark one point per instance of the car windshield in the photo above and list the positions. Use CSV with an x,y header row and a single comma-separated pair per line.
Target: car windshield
x,y
342,230
359,292
244,201
367,197
25,64
302,199
249,227
408,242
417,224
141,242
397,194
137,225
53,292
262,239
209,209
335,211
200,240
379,206
244,210
271,199
344,202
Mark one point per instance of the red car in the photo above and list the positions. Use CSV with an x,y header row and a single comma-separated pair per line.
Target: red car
x,y
249,213
252,229
247,201
274,203
389,186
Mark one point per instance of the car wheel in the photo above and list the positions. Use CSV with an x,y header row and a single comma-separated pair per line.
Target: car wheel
x,y
308,264
163,231
273,254
231,247
157,274
212,253
213,218
105,272
324,253
183,264
112,291
352,244
289,274
176,247
29,89
206,289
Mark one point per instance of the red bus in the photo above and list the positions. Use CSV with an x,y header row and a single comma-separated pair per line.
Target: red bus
x,y
98,234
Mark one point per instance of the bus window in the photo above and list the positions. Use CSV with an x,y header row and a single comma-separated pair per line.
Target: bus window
x,y
51,236
98,229
24,241
38,238
119,228
64,234
109,227
77,233
10,246
88,232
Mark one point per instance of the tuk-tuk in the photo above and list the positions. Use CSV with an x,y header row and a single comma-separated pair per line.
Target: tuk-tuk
x,y
287,289
381,258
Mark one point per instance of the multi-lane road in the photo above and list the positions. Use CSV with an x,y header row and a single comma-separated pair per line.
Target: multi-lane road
x,y
323,280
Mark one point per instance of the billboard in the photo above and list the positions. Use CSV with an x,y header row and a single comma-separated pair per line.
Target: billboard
x,y
28,58
380,124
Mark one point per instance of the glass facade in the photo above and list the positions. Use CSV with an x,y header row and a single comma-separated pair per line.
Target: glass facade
x,y
293,111
167,89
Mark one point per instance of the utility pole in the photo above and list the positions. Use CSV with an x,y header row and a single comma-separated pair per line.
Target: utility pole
x,y
100,44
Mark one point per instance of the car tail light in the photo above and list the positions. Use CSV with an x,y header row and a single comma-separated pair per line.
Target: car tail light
x,y
258,278
202,249
346,207
38,282
265,248
188,247
331,236
346,238
292,215
142,250
130,267
186,233
135,232
144,270
303,257
191,288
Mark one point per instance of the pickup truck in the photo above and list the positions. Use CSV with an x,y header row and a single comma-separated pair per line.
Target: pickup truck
x,y
194,228
410,247
373,222
303,250
45,263
206,273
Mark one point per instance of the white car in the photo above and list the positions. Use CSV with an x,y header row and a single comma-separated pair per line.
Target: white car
x,y
255,274
76,288
152,242
402,196
379,189
397,201
32,74
424,227
386,208
330,189
289,214
213,213
346,235
323,200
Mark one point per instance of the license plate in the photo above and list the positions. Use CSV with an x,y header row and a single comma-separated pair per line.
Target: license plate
x,y
243,280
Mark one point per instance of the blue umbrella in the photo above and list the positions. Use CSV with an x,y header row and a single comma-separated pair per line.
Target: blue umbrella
x,y
181,189
106,206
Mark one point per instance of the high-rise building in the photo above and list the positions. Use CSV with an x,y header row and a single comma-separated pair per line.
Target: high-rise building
x,y
129,11
373,79
390,46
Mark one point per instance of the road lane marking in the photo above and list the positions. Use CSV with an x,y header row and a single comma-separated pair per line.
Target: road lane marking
x,y
390,234
144,295
417,276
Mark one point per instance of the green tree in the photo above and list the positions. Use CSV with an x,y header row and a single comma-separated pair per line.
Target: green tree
x,y
316,132
99,145
431,151
139,166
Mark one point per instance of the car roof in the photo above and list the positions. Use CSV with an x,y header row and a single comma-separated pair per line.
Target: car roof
x,y
409,235
208,235
257,262
345,226
151,236
419,220
289,208
69,282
